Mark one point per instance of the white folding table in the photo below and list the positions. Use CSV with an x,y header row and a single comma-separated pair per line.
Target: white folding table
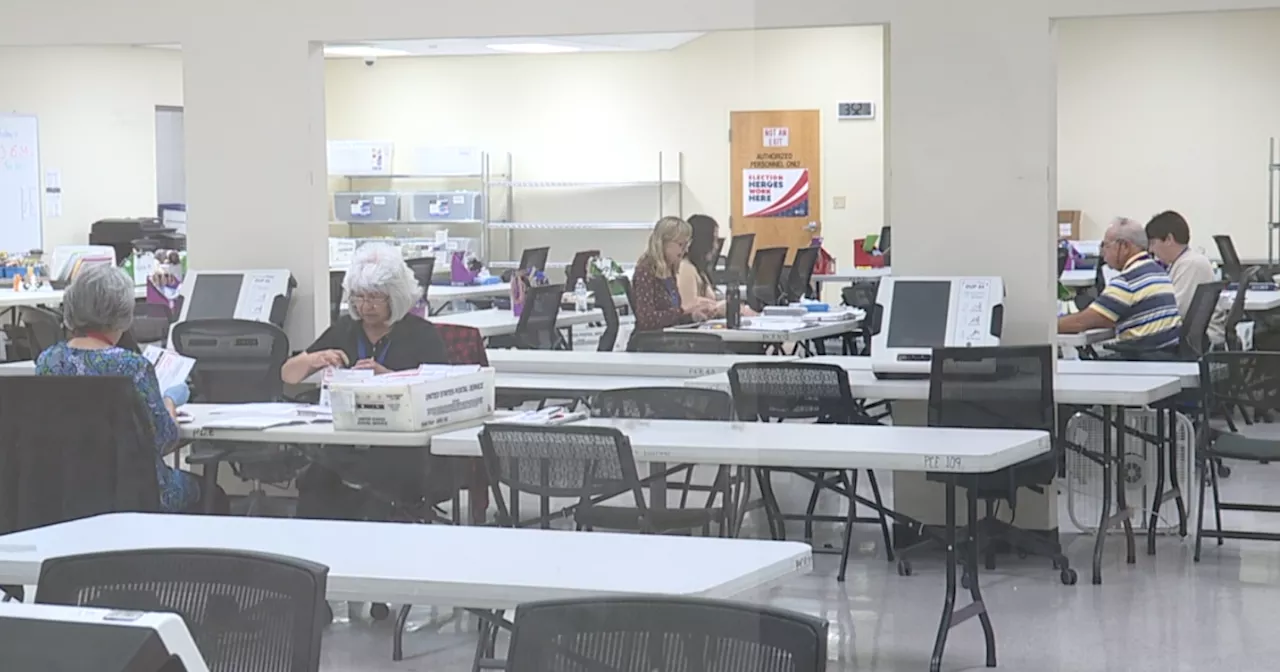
x,y
440,295
1078,278
961,453
847,274
1188,373
591,363
495,322
765,335
1086,338
1256,301
575,386
474,567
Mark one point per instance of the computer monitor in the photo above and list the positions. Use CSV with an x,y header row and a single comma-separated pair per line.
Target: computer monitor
x,y
914,315
81,639
1232,269
260,295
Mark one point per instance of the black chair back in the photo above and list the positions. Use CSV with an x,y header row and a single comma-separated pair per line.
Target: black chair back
x,y
247,612
663,403
766,273
861,295
558,461
43,328
801,273
424,268
715,255
599,288
71,447
677,341
626,291
536,329
335,295
150,323
776,391
649,633
1236,312
1099,277
1004,387
236,360
1193,339
884,243
578,268
534,257
1062,260
738,261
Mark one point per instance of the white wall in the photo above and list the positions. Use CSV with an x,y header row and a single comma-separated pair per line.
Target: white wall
x,y
605,116
1170,112
96,107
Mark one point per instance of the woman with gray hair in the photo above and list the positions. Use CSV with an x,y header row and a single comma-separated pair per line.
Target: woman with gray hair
x,y
97,310
379,334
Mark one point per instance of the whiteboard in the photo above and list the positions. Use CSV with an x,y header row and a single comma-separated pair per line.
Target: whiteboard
x,y
20,228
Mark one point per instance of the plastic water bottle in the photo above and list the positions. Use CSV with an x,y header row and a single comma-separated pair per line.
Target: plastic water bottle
x,y
580,296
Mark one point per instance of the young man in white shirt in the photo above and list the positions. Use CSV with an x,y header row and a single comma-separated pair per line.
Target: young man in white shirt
x,y
1168,236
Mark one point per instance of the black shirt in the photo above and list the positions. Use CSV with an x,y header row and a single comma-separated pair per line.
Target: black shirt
x,y
411,341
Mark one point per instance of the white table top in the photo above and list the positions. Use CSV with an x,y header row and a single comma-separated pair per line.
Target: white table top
x,y
312,433
805,445
1257,301
440,294
846,274
1188,373
818,330
1084,277
477,567
1084,338
592,363
552,383
1106,390
25,367
494,322
45,297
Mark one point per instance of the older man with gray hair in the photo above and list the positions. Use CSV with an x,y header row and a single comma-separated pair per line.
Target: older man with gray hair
x,y
1139,303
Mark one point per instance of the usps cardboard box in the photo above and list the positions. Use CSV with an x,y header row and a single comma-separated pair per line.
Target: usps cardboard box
x,y
409,403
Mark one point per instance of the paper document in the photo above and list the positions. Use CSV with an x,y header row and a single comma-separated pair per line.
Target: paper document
x,y
335,375
552,415
171,368
264,409
252,421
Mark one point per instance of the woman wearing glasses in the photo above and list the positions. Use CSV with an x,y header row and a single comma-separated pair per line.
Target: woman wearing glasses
x,y
377,333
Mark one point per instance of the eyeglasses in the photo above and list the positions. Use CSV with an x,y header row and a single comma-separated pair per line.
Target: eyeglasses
x,y
372,300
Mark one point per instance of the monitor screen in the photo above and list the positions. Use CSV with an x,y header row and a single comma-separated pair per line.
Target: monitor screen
x,y
918,314
214,296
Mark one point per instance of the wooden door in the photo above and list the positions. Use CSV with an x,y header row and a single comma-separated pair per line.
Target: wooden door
x,y
775,171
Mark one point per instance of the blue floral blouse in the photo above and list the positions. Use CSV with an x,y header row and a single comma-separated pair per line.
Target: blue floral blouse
x,y
178,490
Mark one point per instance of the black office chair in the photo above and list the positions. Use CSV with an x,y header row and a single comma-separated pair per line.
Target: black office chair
x,y
677,342
589,464
534,257
774,392
626,291
43,328
72,447
1193,338
536,328
861,295
671,403
238,361
661,633
884,243
1232,268
424,269
766,274
1236,313
1007,387
599,288
150,323
247,612
1062,260
797,285
578,268
336,279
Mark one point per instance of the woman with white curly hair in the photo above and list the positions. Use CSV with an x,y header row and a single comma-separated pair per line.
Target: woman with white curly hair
x,y
379,332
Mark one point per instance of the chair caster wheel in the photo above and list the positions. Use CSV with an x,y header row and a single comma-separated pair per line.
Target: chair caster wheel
x,y
964,581
1224,471
904,568
1068,577
379,611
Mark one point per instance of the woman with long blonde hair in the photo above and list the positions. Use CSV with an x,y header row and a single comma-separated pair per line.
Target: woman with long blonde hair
x,y
657,298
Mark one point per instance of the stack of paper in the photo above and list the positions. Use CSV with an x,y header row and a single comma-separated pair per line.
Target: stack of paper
x,y
841,315
551,415
171,368
264,416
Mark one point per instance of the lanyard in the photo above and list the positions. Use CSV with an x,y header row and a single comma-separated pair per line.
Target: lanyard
x,y
362,348
672,292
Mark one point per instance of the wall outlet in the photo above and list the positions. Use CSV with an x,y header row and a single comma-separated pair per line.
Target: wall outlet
x,y
839,202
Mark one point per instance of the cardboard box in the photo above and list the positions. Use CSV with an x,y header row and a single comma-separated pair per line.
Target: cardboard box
x,y
1069,224
411,403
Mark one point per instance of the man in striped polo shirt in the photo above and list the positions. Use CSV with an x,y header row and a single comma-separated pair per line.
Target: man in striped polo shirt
x,y
1139,303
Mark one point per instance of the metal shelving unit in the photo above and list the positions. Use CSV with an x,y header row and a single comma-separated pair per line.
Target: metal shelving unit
x,y
661,185
1273,202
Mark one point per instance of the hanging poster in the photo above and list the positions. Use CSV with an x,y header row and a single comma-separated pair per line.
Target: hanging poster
x,y
778,192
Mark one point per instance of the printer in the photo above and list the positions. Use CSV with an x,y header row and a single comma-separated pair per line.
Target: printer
x,y
142,233
914,315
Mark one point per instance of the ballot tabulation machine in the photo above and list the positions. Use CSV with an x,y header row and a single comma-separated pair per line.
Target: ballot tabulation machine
x,y
257,295
82,639
914,315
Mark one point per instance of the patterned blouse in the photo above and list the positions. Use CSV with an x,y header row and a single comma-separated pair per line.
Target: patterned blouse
x,y
178,490
657,299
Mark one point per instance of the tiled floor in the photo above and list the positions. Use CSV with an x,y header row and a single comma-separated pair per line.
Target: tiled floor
x,y
1164,614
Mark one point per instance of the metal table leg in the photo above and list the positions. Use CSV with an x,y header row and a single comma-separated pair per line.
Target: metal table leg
x,y
950,616
1105,519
